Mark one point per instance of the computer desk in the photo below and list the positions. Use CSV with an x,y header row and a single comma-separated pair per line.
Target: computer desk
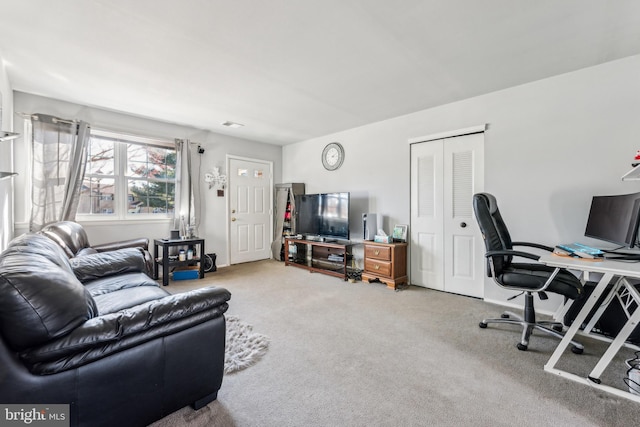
x,y
609,269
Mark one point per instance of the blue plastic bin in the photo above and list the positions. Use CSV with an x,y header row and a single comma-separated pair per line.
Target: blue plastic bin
x,y
185,274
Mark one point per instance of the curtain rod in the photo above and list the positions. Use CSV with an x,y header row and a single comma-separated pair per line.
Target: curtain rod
x,y
53,119
188,141
97,131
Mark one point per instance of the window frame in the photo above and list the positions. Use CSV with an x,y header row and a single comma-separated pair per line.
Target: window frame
x,y
121,179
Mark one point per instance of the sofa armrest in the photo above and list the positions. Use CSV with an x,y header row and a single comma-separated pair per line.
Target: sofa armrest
x,y
142,243
103,264
104,335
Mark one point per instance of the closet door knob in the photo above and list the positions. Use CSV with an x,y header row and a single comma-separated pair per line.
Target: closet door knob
x,y
463,224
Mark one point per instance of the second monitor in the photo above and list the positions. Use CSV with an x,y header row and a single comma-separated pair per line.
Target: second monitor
x,y
615,219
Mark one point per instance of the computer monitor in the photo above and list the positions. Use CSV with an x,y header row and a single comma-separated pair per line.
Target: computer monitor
x,y
615,219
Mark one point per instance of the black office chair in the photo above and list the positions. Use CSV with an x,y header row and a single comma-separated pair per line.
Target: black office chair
x,y
525,277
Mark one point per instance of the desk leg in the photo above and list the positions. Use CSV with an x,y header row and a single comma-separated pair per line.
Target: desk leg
x,y
620,339
165,265
575,326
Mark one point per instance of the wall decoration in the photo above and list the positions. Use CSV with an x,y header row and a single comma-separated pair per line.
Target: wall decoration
x,y
216,179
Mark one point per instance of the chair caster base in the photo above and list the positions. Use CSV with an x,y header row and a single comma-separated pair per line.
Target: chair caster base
x,y
482,325
577,350
504,316
522,347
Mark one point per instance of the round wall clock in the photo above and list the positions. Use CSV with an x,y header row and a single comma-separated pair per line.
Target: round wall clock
x,y
332,156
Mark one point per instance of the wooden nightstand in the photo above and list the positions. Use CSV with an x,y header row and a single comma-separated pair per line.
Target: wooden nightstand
x,y
385,262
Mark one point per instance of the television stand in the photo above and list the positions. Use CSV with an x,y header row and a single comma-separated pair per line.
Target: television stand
x,y
329,258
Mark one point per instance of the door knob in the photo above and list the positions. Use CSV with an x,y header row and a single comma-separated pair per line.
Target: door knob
x,y
233,211
463,224
233,219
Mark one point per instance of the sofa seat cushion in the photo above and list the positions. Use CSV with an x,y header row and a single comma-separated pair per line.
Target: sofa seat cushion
x,y
123,299
110,284
41,297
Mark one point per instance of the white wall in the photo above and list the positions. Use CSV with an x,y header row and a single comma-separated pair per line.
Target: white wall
x,y
549,147
6,161
217,146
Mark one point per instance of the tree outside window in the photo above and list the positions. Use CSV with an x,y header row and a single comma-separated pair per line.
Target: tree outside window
x,y
151,173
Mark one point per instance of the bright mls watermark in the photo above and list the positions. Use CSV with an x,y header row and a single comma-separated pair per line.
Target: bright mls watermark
x,y
34,415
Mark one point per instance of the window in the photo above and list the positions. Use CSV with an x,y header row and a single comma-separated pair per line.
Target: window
x,y
128,177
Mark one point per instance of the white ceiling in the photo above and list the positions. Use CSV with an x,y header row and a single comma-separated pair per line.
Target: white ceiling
x,y
290,70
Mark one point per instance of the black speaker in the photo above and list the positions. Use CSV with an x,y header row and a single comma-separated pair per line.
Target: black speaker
x,y
209,262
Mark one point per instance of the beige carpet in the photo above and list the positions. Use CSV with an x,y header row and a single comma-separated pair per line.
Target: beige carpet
x,y
357,354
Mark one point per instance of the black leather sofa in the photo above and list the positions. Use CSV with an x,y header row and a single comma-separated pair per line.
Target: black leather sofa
x,y
97,333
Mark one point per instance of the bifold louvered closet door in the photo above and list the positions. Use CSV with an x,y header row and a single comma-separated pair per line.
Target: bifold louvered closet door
x,y
447,252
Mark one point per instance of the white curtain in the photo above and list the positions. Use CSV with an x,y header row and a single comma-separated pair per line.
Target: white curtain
x,y
187,206
59,156
195,167
178,195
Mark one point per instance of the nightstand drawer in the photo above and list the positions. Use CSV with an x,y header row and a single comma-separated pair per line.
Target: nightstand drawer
x,y
381,268
377,252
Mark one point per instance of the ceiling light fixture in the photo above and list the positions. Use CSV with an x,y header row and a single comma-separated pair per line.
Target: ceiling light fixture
x,y
232,124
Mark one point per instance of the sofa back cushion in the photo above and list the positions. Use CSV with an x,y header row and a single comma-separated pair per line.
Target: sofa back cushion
x,y
70,235
40,297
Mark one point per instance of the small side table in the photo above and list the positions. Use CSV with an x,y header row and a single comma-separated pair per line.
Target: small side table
x,y
167,262
386,263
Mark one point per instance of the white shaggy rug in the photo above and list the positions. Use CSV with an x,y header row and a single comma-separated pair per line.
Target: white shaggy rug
x,y
243,346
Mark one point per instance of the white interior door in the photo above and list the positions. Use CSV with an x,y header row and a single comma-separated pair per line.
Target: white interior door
x,y
427,198
447,251
463,245
250,207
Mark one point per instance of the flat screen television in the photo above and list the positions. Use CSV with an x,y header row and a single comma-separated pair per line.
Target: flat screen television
x,y
615,219
323,215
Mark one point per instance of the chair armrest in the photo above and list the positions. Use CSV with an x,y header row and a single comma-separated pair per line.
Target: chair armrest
x,y
132,243
508,252
103,264
104,335
533,245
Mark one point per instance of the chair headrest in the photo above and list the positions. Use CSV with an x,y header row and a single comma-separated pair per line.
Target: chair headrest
x,y
490,200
